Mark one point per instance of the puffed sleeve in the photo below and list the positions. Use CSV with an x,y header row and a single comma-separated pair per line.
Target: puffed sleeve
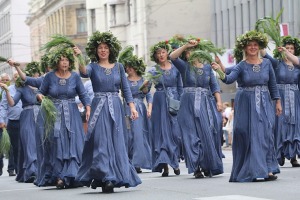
x,y
81,92
17,96
45,84
213,84
34,82
180,65
124,85
273,60
234,74
272,83
89,70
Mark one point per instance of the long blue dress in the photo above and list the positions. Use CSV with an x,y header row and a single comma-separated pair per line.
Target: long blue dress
x,y
27,159
166,136
199,119
253,139
39,133
105,156
139,145
287,128
64,145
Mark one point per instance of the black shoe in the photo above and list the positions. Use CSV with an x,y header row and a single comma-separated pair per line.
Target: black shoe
x,y
198,174
95,184
30,180
295,163
177,171
166,171
138,170
165,174
108,187
271,178
11,173
1,172
282,160
60,184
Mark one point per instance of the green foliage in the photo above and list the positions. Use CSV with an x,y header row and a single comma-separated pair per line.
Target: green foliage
x,y
107,38
177,41
32,68
49,109
19,82
154,75
201,56
271,27
56,54
238,55
2,59
243,40
5,143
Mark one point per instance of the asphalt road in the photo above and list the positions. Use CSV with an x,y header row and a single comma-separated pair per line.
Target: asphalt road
x,y
155,187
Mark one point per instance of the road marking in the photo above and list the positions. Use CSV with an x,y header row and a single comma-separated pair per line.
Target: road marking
x,y
230,197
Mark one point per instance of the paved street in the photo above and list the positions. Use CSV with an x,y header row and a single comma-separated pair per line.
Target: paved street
x,y
183,187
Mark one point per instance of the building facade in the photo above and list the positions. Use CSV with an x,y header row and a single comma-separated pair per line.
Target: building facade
x,y
51,17
142,23
14,33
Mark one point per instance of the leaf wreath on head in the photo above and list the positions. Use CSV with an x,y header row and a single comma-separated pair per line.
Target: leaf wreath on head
x,y
177,41
160,45
32,68
127,58
105,37
44,63
286,40
243,40
56,54
59,42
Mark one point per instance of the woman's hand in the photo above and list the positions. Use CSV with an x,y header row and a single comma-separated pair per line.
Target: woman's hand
x,y
88,113
12,63
281,49
4,87
219,106
278,107
149,112
134,114
39,97
77,51
191,43
215,66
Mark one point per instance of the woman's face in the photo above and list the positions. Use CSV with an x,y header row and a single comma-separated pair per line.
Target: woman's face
x,y
252,48
161,55
103,51
187,54
290,48
63,64
129,70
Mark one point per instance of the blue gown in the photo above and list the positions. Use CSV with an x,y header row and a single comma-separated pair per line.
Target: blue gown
x,y
62,150
253,128
39,133
287,128
166,136
105,156
27,159
199,120
139,145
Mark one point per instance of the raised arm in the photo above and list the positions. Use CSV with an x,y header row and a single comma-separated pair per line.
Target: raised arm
x,y
294,59
20,72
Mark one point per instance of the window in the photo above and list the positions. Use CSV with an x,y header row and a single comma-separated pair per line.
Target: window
x,y
93,20
81,20
134,10
113,20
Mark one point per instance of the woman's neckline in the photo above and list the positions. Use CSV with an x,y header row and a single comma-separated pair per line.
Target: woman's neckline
x,y
61,77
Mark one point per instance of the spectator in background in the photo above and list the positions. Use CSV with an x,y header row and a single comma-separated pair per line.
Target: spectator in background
x,y
9,117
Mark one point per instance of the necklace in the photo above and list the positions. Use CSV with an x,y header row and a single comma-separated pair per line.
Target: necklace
x,y
134,83
199,71
62,81
256,68
107,71
291,67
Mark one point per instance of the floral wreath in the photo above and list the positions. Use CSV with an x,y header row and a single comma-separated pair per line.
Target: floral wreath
x,y
177,41
107,38
288,40
160,45
127,58
56,54
243,40
32,68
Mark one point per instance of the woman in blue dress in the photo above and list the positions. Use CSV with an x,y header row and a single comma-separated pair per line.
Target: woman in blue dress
x,y
287,128
27,158
64,144
253,129
105,160
36,82
199,116
166,136
139,149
